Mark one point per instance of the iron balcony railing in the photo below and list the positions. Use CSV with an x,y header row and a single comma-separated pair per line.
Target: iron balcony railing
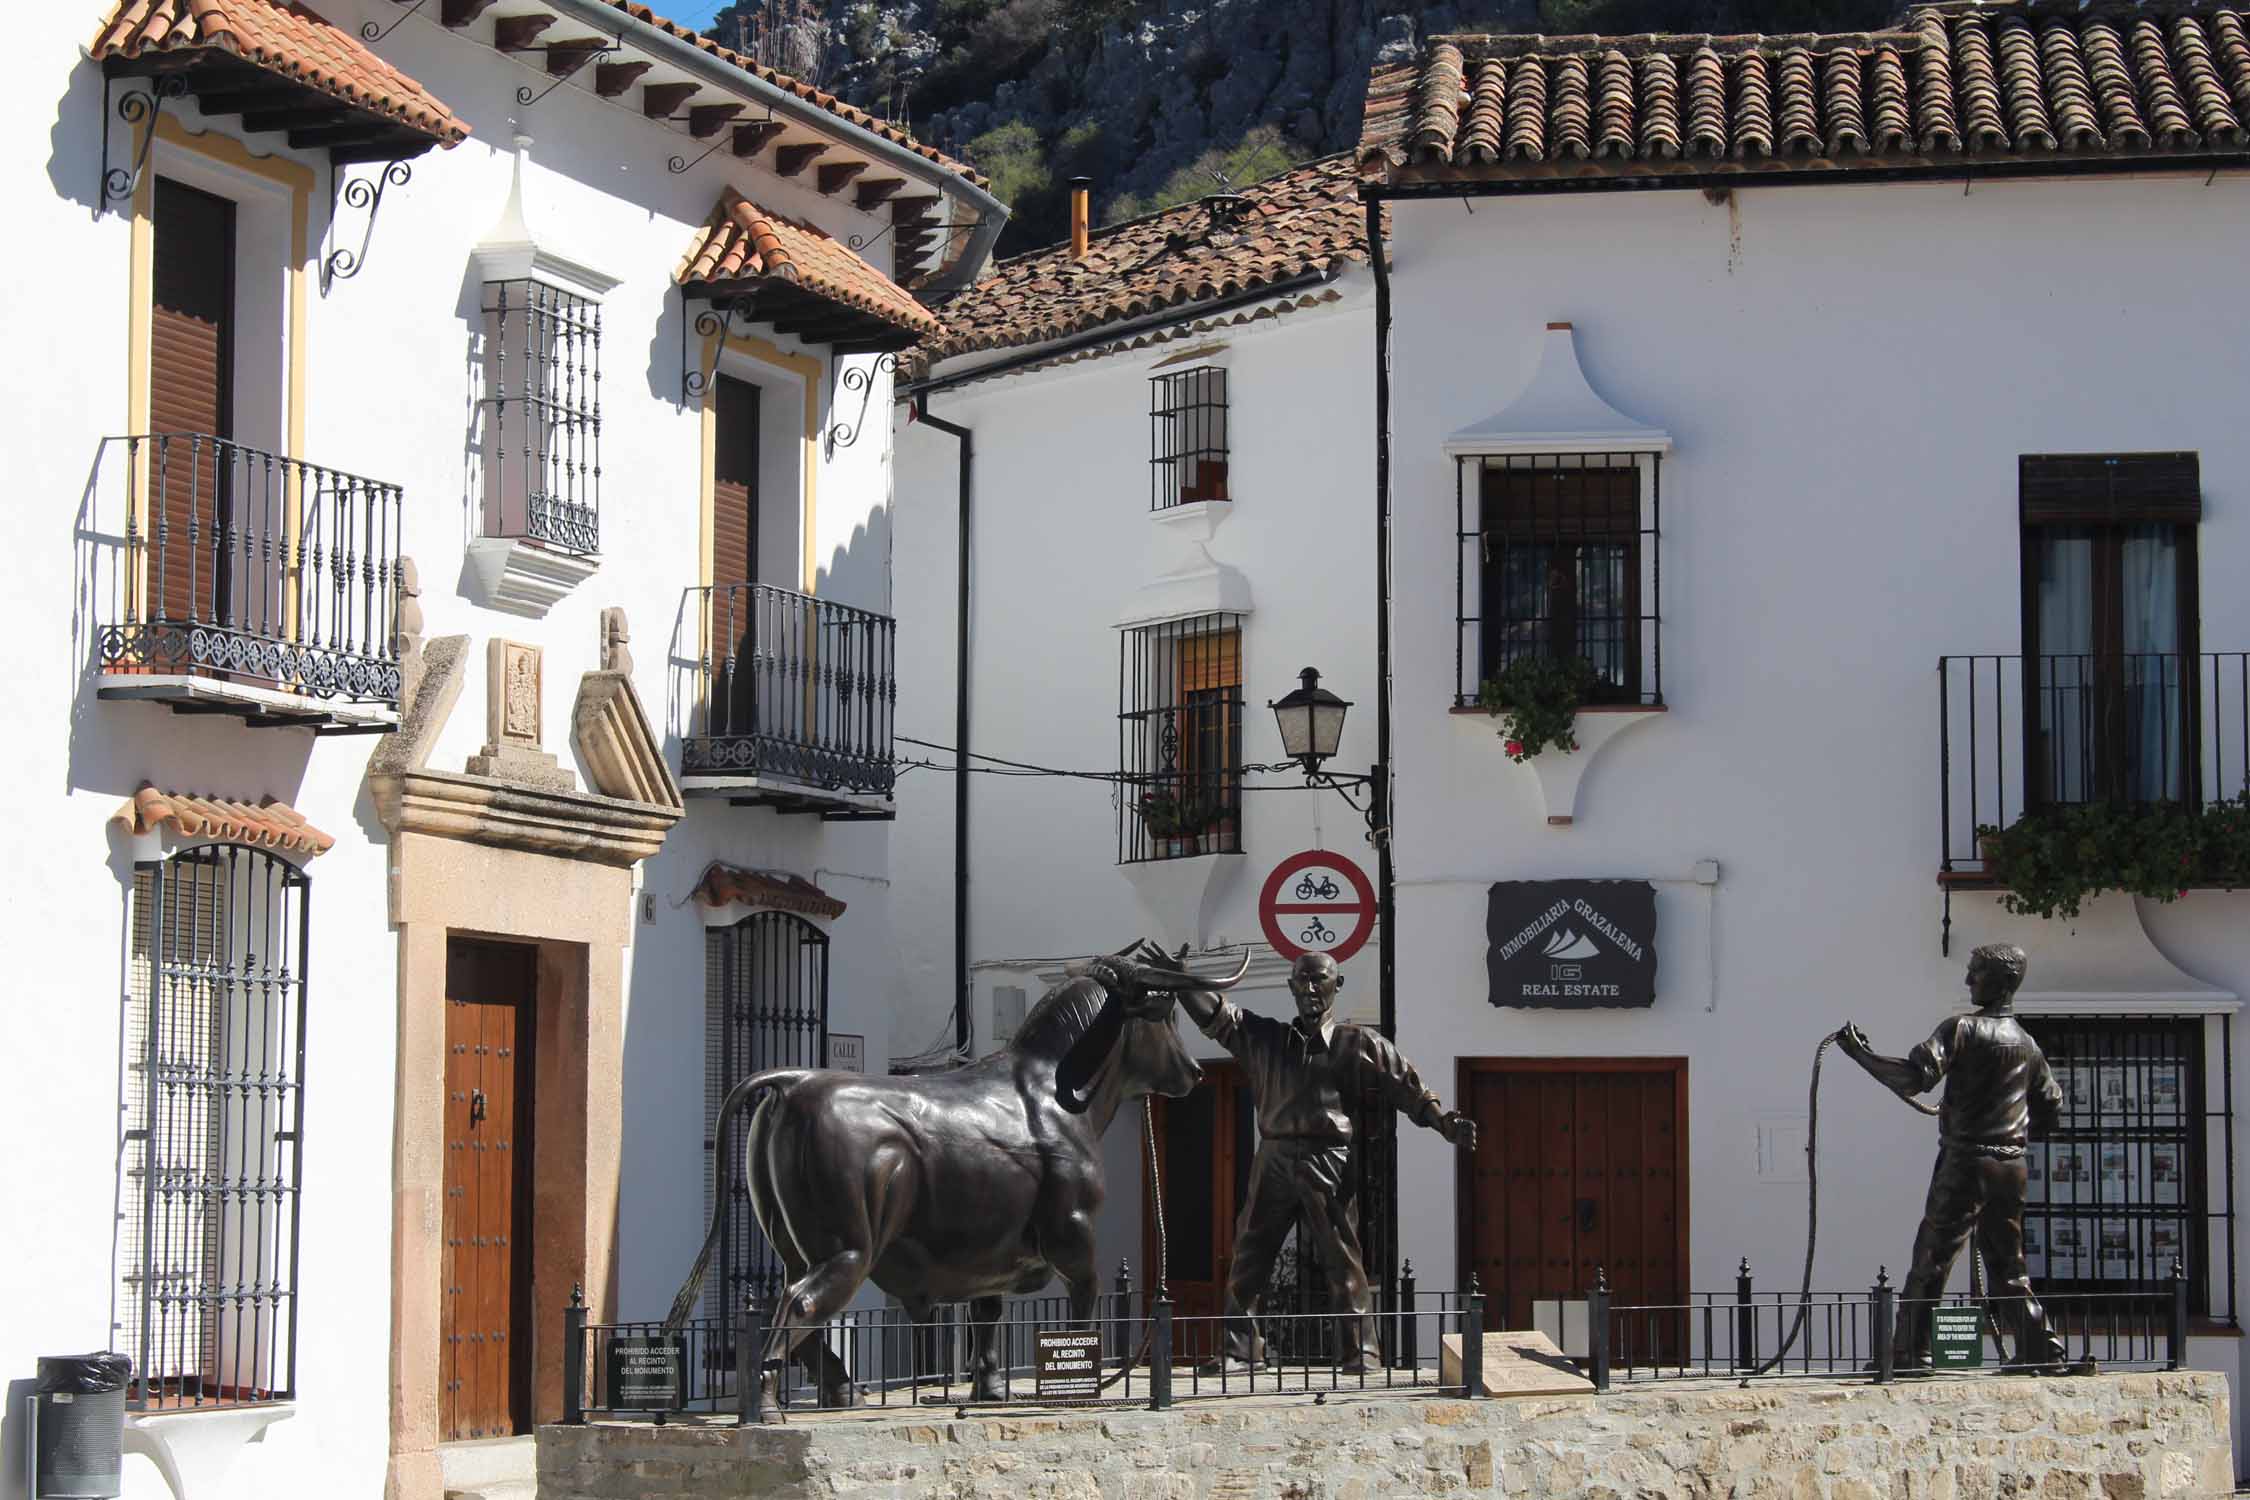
x,y
248,566
796,688
2017,732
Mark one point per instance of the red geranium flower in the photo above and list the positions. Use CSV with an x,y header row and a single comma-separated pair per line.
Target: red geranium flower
x,y
1515,748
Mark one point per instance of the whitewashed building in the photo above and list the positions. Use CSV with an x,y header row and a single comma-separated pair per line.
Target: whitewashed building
x,y
1863,409
388,367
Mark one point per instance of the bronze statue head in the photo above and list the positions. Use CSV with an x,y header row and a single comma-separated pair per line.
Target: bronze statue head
x,y
1995,971
1314,980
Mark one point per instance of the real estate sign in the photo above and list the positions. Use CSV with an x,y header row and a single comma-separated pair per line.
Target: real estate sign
x,y
1571,944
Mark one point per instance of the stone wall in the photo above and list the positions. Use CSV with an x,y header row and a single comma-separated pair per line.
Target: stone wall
x,y
2108,1437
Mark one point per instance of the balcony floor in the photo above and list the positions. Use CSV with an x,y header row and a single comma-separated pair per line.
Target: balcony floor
x,y
784,795
258,706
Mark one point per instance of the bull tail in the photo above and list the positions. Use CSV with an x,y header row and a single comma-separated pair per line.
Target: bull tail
x,y
683,1306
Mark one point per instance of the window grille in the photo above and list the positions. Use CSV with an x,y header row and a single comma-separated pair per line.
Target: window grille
x,y
1180,739
208,1193
2140,1171
1558,558
765,1005
1188,437
543,429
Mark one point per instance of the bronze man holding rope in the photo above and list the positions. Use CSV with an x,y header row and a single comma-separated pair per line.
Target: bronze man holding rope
x,y
1304,1077
1998,1091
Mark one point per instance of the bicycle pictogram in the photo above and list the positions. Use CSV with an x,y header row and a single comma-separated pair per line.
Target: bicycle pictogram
x,y
1324,890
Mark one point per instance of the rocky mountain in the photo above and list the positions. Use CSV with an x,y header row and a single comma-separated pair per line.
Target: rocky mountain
x,y
1155,99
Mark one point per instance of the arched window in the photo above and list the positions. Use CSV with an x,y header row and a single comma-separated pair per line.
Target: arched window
x,y
208,1189
765,993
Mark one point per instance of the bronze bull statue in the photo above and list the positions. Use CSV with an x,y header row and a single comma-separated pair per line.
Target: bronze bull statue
x,y
962,1186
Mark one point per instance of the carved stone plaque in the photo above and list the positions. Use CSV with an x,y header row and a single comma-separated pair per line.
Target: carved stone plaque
x,y
513,679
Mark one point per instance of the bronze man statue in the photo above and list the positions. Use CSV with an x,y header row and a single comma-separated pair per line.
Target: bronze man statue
x,y
1304,1078
1998,1091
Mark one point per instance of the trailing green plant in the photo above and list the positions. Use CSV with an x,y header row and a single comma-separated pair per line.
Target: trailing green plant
x,y
1540,697
2052,859
1161,812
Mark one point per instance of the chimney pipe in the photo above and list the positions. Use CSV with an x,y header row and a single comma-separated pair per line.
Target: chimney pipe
x,y
1080,191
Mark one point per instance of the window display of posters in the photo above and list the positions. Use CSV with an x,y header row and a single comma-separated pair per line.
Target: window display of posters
x,y
2116,1089
2116,1247
2035,1172
2167,1171
2066,1249
2035,1247
2078,1089
2117,1179
2163,1088
2165,1245
2069,1171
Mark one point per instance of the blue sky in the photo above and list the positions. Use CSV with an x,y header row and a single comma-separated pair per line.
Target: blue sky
x,y
691,12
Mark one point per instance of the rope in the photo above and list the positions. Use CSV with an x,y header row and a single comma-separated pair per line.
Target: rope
x,y
1812,1212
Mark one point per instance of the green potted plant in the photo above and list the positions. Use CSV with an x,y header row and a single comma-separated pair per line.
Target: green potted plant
x,y
1195,818
1160,815
1539,698
2051,859
1221,833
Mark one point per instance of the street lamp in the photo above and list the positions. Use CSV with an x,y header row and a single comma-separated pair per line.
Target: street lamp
x,y
1311,721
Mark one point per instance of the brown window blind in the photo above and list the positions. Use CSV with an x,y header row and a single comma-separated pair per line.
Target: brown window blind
x,y
734,488
2070,489
191,384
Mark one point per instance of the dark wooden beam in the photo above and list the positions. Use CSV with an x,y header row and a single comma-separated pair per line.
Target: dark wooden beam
x,y
242,101
903,209
400,145
302,118
366,130
462,12
751,139
566,58
872,193
707,120
658,100
517,33
612,79
788,161
834,176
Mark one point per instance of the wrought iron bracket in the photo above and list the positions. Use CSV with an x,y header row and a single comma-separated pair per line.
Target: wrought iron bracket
x,y
679,164
139,107
375,31
860,378
342,263
528,96
867,241
715,323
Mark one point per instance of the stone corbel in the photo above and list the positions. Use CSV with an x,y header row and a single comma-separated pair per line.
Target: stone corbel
x,y
196,1450
1181,896
2100,962
1560,771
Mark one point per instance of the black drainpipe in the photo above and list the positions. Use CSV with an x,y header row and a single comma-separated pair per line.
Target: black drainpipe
x,y
1380,793
961,992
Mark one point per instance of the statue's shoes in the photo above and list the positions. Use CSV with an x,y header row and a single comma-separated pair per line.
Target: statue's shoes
x,y
1230,1365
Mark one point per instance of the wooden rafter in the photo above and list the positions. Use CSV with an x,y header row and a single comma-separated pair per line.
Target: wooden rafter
x,y
659,100
707,120
612,79
517,33
462,12
874,192
751,139
789,160
566,58
833,177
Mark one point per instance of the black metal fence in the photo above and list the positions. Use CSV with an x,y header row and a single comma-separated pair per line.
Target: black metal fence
x,y
794,687
2018,732
1431,1344
239,563
543,434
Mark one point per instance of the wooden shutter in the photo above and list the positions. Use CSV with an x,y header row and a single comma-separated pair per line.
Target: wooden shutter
x,y
1210,662
734,488
2066,489
191,380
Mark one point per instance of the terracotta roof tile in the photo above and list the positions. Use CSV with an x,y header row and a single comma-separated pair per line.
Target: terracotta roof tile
x,y
1308,220
802,90
269,825
742,244
2024,80
281,37
776,890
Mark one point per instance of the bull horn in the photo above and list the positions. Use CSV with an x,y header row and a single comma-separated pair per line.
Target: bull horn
x,y
1085,967
1168,979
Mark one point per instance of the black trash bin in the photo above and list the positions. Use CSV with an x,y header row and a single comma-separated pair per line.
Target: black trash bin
x,y
81,1408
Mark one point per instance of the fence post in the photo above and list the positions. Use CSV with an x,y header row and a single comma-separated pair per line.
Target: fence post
x,y
1472,1340
749,1363
1121,1313
1745,1320
1410,1337
1597,1330
1160,1350
1885,1331
574,1358
2176,1319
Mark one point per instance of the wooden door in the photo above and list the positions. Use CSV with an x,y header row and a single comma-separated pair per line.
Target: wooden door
x,y
1580,1167
486,1351
191,399
1205,1143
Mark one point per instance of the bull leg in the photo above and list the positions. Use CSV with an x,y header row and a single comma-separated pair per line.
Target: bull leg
x,y
985,1383
810,1301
